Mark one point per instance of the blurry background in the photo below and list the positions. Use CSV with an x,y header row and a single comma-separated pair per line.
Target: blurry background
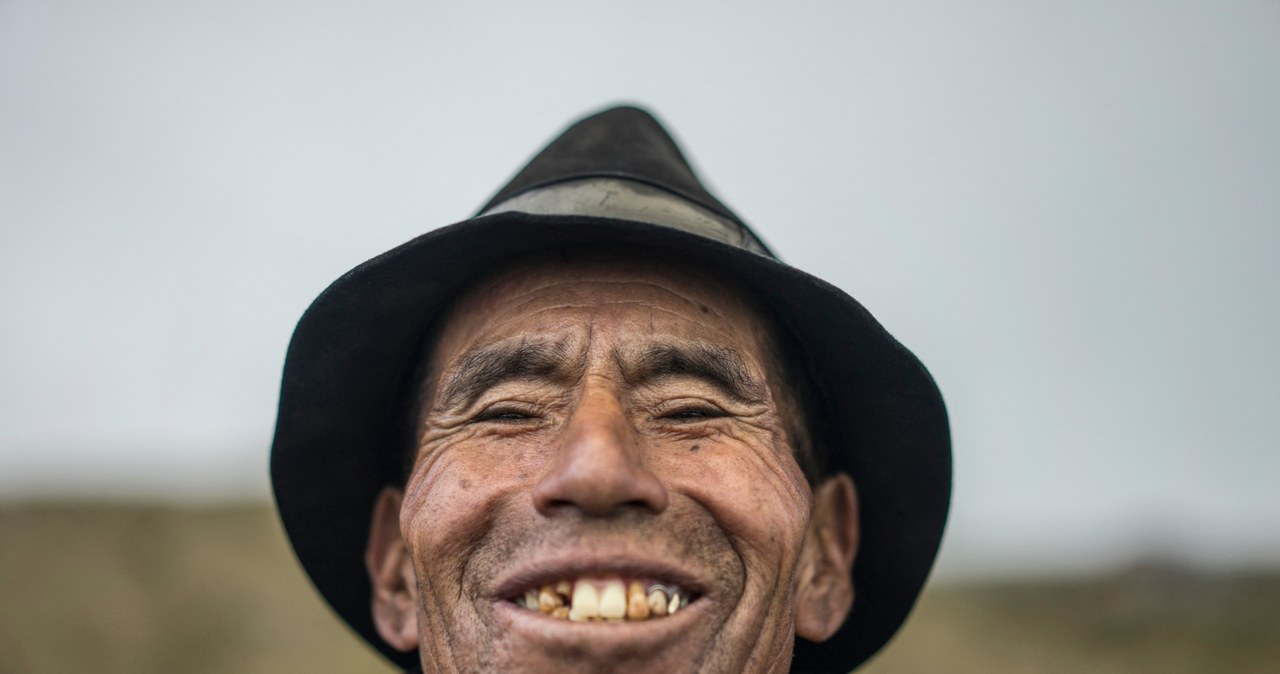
x,y
1069,211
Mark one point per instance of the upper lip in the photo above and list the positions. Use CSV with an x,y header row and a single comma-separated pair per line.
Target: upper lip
x,y
544,571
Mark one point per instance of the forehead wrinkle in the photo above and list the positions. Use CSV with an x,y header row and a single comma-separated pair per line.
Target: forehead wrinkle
x,y
576,286
725,333
718,313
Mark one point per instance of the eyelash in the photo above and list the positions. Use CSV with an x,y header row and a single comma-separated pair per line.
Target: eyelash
x,y
504,414
681,413
692,412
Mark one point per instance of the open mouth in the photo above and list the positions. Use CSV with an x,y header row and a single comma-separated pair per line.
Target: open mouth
x,y
611,599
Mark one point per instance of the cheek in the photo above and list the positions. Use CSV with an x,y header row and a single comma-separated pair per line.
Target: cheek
x,y
458,484
757,493
449,501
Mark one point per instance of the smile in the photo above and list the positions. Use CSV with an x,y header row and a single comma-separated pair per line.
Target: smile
x,y
610,599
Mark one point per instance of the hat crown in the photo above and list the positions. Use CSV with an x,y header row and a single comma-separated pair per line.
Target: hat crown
x,y
622,142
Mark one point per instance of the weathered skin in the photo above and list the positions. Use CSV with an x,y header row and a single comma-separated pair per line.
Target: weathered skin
x,y
591,464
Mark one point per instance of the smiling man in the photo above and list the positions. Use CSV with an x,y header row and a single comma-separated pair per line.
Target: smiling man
x,y
600,427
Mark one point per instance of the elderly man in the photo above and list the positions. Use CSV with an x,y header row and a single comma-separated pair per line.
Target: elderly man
x,y
600,427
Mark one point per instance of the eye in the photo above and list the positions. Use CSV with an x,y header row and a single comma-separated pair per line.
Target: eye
x,y
696,412
503,413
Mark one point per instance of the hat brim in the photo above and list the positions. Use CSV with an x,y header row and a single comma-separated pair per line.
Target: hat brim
x,y
339,436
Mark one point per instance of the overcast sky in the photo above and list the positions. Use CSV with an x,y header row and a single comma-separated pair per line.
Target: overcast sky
x,y
1069,210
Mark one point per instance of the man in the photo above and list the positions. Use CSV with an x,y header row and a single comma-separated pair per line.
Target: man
x,y
600,427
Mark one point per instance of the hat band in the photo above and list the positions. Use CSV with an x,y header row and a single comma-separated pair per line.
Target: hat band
x,y
629,200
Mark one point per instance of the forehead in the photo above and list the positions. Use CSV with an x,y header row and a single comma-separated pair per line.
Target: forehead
x,y
627,300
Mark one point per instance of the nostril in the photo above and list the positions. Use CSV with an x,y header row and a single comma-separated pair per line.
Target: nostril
x,y
634,504
599,493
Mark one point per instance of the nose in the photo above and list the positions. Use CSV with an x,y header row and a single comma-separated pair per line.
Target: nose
x,y
598,468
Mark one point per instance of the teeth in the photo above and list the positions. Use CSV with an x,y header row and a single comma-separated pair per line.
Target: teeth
x,y
613,601
657,602
637,602
586,601
548,600
604,599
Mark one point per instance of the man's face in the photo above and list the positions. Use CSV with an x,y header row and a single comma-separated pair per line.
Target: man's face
x,y
603,424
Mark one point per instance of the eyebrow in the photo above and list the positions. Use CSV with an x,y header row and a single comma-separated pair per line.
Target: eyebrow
x,y
484,367
718,365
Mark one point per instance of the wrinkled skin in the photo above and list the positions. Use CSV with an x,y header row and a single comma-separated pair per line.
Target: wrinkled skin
x,y
592,462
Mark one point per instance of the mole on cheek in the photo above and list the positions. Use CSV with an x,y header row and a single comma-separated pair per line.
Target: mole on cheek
x,y
695,448
464,483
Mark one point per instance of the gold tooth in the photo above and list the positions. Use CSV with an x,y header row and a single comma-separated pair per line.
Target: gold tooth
x,y
564,588
637,602
561,612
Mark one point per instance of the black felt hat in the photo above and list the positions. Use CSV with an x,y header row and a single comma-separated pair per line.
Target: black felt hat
x,y
615,179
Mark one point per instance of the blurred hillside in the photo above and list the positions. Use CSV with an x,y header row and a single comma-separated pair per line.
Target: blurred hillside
x,y
138,589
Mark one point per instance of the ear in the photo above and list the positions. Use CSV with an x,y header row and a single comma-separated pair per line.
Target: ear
x,y
395,591
824,592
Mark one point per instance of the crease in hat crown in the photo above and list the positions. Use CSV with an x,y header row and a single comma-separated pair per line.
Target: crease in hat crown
x,y
621,163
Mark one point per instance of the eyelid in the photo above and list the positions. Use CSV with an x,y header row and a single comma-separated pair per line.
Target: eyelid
x,y
492,411
671,408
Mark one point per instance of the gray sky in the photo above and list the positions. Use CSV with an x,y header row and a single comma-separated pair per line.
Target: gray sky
x,y
1070,211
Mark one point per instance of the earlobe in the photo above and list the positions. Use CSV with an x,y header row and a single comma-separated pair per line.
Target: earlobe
x,y
824,592
391,574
